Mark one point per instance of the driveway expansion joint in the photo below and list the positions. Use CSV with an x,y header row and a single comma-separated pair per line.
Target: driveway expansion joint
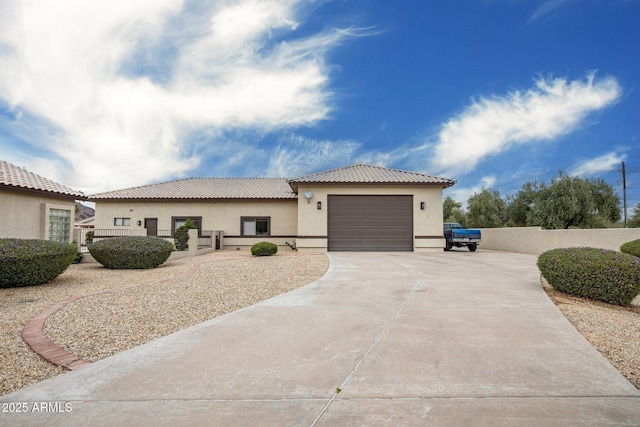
x,y
375,342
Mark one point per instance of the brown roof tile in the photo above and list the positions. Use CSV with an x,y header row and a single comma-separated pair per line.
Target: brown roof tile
x,y
12,176
268,188
367,174
207,188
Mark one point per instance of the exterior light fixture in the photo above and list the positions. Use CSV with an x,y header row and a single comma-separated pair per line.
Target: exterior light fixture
x,y
319,205
421,206
139,223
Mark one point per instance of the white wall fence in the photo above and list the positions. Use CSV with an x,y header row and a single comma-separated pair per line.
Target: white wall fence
x,y
536,240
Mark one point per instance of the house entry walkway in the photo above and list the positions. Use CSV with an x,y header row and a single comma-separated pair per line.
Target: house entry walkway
x,y
451,338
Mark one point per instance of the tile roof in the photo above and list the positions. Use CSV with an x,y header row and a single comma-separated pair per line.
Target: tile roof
x,y
207,188
367,174
12,176
268,188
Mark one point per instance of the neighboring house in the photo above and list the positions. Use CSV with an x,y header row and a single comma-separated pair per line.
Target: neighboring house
x,y
33,207
85,223
355,208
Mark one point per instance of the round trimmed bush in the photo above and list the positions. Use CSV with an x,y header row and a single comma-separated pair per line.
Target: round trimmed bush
x,y
26,262
264,249
632,248
600,274
131,252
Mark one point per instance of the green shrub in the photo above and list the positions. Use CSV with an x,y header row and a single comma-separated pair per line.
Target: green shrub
x,y
181,235
264,249
600,274
25,262
632,248
129,252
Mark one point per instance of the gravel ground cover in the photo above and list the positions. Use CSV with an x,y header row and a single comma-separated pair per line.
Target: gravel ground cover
x,y
613,330
142,304
146,304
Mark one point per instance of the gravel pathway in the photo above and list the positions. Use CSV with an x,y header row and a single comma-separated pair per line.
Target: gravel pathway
x,y
142,305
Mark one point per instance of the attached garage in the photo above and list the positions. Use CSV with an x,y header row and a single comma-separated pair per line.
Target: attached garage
x,y
368,208
370,223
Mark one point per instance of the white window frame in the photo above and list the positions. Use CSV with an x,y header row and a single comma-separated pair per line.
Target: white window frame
x,y
46,229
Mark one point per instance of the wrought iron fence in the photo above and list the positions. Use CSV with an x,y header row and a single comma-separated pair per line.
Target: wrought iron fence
x,y
205,240
95,234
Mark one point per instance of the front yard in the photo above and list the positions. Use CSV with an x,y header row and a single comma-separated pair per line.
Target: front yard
x,y
142,305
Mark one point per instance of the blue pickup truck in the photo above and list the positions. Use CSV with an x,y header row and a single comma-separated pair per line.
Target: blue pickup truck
x,y
458,237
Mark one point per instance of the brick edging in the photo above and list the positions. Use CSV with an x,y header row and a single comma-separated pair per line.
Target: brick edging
x,y
33,332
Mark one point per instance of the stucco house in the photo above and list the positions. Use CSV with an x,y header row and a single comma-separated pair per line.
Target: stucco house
x,y
354,208
33,207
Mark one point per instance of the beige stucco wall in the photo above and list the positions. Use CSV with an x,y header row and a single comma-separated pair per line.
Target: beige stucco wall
x,y
427,224
535,240
23,215
223,215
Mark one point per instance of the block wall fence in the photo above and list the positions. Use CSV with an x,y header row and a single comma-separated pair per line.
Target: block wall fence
x,y
536,240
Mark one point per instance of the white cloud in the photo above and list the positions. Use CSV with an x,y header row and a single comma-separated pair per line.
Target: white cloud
x,y
299,155
492,125
605,163
113,88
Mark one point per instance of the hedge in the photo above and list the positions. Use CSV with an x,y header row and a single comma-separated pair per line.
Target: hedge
x,y
131,252
631,248
264,249
26,262
600,274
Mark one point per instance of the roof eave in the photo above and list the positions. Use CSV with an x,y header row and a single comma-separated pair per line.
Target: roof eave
x,y
177,199
295,184
73,196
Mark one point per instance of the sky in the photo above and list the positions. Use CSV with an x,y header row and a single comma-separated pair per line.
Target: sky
x,y
111,94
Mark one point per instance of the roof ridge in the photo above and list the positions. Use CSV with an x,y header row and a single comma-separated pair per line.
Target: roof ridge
x,y
377,167
143,186
326,171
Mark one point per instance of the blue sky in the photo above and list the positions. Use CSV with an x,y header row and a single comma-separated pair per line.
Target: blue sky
x,y
111,94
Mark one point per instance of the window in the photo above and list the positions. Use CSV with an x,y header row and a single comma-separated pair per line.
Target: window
x,y
122,221
179,221
59,224
253,226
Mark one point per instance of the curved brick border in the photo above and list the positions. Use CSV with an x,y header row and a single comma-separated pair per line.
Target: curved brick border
x,y
33,332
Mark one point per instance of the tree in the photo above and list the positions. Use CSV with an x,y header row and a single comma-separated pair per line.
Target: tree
x,y
519,206
452,211
486,210
634,221
448,205
572,202
606,200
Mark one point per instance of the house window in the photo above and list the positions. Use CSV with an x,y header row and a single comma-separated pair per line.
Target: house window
x,y
254,226
179,221
59,224
122,222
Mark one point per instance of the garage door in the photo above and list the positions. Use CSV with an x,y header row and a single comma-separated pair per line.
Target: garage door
x,y
370,223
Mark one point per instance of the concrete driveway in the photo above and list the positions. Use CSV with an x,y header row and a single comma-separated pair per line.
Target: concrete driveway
x,y
451,338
